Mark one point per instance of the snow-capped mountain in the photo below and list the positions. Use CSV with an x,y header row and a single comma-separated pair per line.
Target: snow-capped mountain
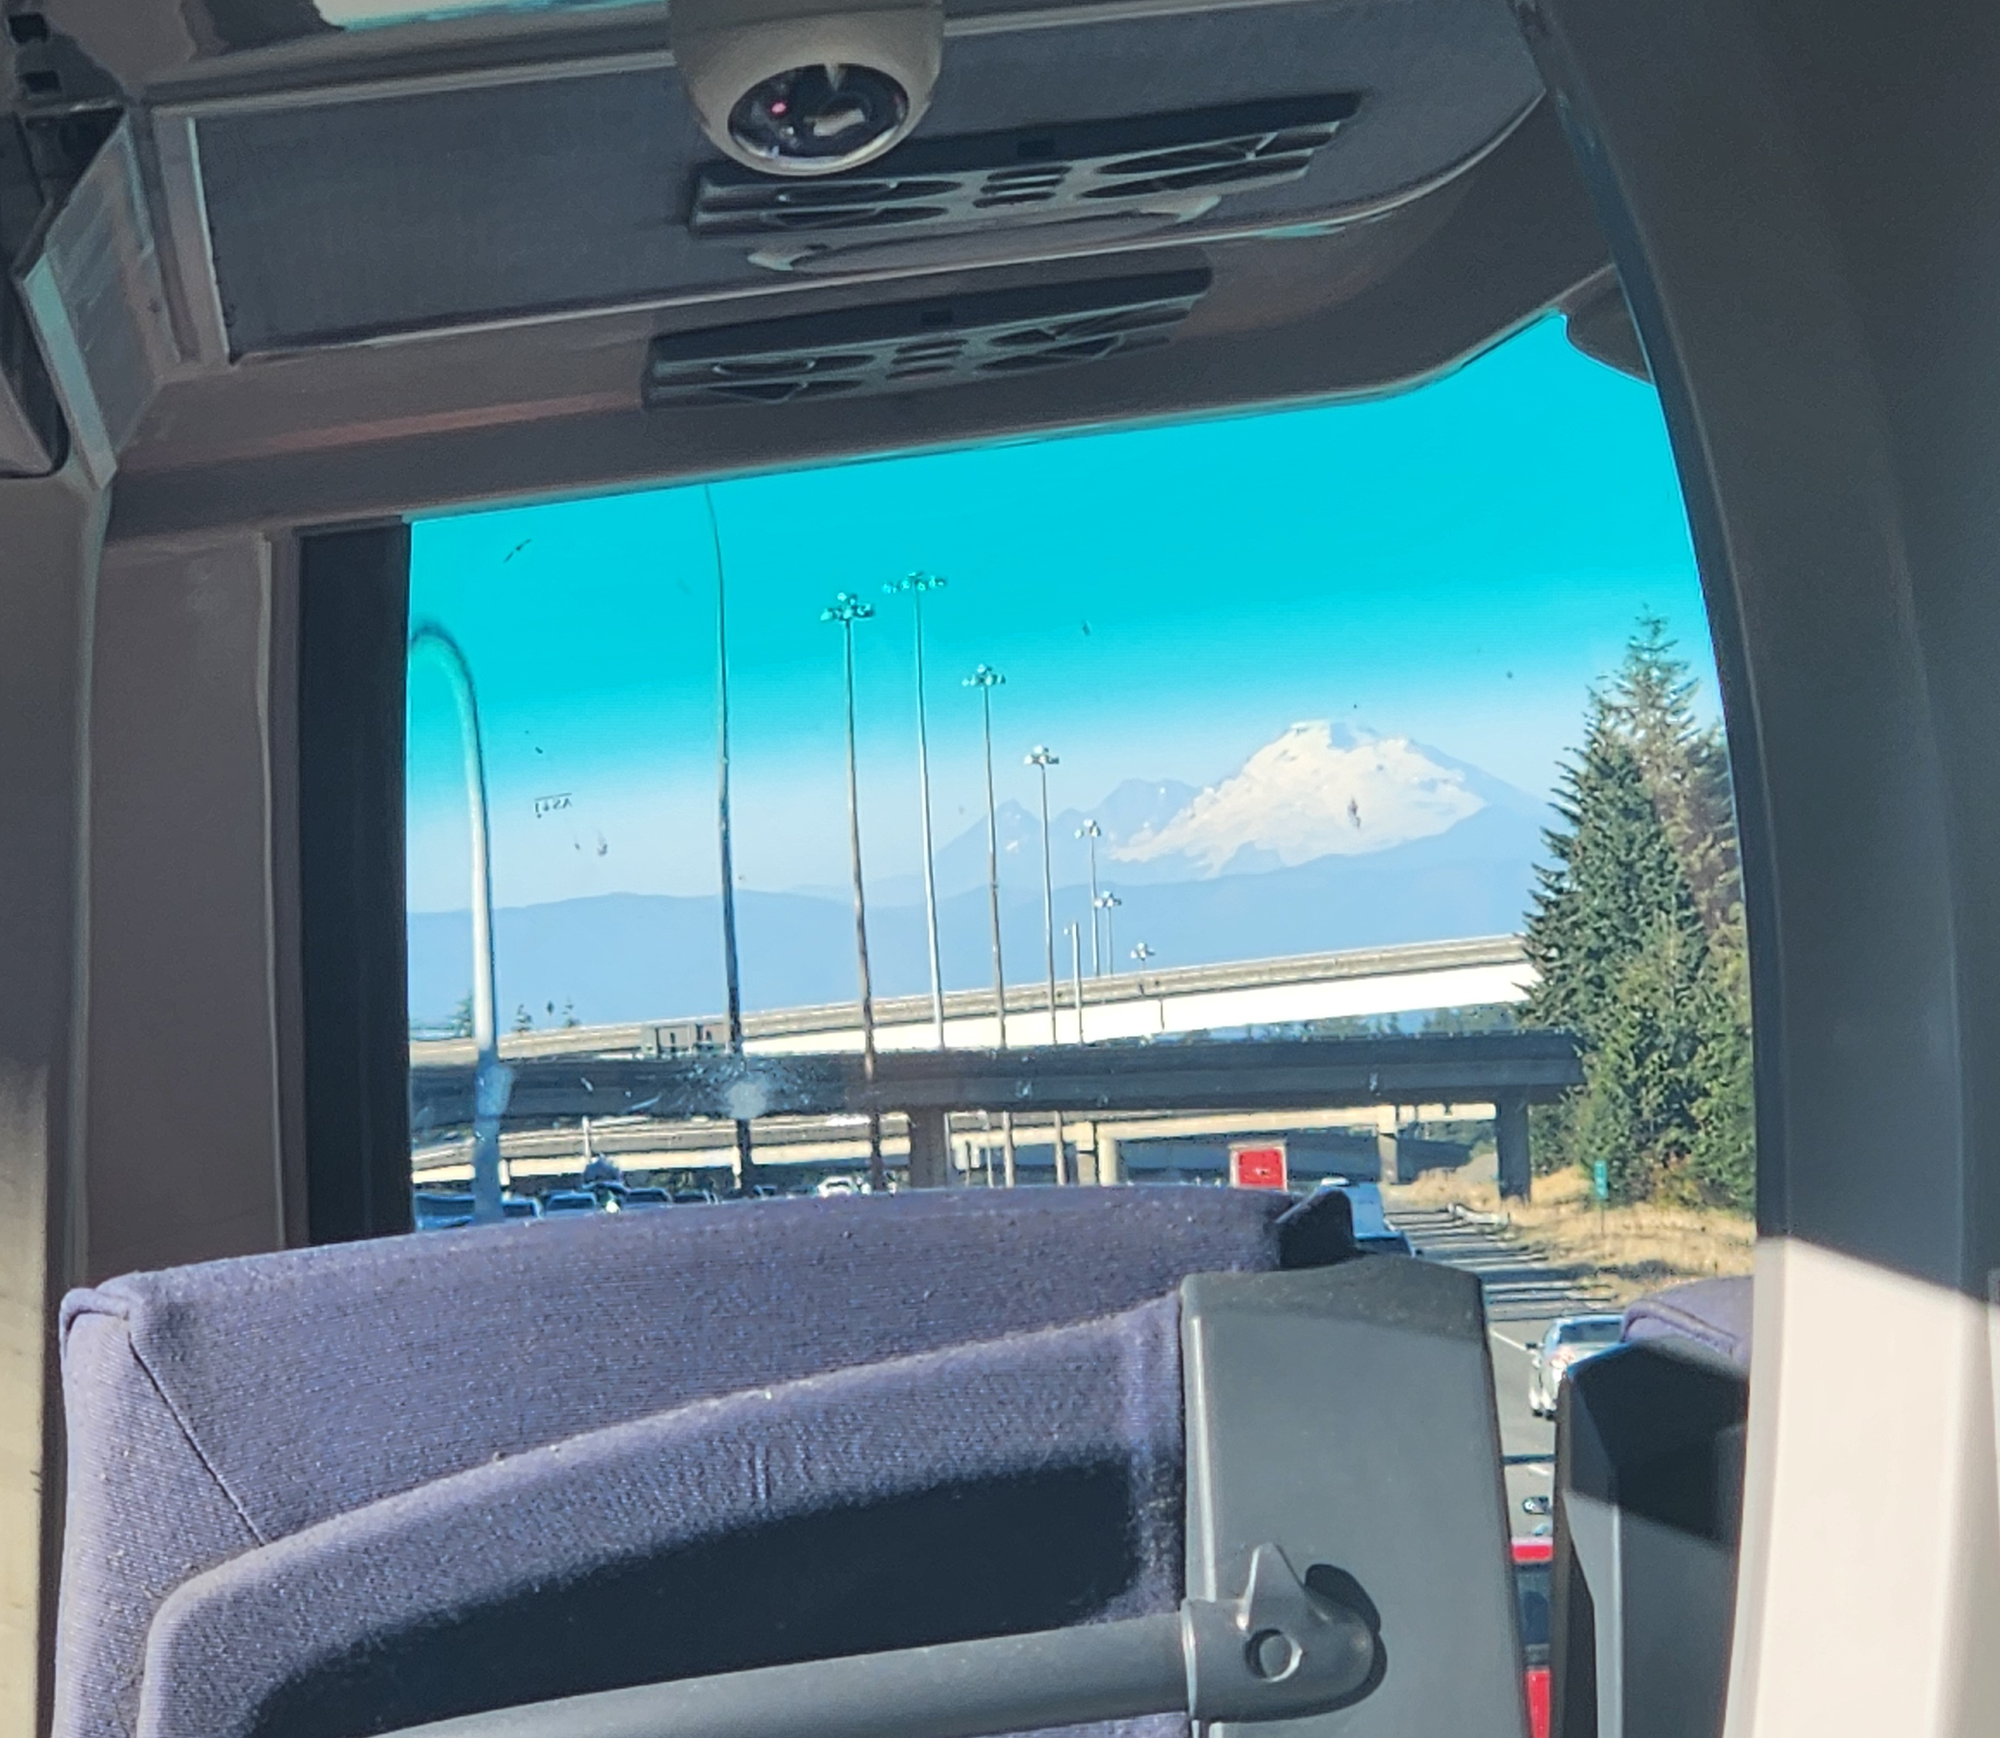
x,y
1316,791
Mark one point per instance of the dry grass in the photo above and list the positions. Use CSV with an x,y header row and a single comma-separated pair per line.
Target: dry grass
x,y
1632,1250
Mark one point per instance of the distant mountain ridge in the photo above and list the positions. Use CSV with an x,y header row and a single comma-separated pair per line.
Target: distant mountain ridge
x,y
1202,876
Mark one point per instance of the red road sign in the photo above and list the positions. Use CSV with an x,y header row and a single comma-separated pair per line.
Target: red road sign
x,y
1260,1167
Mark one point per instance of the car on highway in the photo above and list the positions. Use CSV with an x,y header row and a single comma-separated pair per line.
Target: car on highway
x,y
1569,1342
646,1196
444,1210
559,1201
436,1210
1533,1572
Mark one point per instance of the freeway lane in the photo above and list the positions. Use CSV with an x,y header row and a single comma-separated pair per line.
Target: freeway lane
x,y
1524,1293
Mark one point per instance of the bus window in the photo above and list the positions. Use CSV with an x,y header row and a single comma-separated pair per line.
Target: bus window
x,y
1072,765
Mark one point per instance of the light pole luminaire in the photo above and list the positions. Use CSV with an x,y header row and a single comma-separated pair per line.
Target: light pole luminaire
x,y
845,610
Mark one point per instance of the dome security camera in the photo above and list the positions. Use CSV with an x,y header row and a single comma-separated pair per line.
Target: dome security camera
x,y
807,87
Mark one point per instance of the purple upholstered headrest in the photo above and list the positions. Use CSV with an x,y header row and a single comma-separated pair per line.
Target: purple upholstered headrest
x,y
1711,1313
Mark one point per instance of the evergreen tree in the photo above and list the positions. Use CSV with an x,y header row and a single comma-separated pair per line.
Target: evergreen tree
x,y
1643,1083
1685,766
1633,960
1614,879
1722,1167
461,1018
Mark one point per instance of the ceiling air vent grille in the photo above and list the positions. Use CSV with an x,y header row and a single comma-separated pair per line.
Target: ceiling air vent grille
x,y
1174,165
863,351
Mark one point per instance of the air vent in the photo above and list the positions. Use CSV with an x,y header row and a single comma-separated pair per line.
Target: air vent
x,y
865,351
1173,167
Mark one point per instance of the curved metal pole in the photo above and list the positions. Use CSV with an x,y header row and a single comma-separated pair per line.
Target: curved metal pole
x,y
492,1080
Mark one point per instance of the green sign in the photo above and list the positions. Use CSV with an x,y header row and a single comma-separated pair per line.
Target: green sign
x,y
1600,1180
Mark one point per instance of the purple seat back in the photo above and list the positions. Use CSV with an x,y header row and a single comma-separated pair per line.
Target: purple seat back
x,y
217,1410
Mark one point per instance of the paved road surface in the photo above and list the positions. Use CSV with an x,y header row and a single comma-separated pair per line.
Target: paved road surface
x,y
1524,1293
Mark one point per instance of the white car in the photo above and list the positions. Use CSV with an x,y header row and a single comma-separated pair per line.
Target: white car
x,y
1568,1343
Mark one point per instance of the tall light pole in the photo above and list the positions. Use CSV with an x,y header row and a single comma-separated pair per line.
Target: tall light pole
x,y
746,1162
1108,903
1041,759
847,609
916,584
1090,832
492,1080
1076,977
985,678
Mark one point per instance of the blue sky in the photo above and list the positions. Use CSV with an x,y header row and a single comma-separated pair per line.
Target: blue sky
x,y
1454,564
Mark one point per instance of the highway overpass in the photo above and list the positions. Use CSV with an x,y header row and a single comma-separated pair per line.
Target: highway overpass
x,y
1292,991
1505,1070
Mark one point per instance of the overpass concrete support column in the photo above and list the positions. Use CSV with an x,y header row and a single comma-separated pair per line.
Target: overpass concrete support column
x,y
1510,1138
1110,1172
930,1149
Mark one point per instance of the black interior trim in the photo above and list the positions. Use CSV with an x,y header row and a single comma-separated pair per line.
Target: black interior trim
x,y
353,617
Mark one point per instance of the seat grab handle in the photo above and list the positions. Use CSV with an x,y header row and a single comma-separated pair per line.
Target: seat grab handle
x,y
1279,1650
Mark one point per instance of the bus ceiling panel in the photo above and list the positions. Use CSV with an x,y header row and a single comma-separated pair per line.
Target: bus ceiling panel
x,y
329,400
560,415
365,215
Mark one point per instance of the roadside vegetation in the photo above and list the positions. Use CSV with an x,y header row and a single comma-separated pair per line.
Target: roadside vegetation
x,y
1637,932
1628,1249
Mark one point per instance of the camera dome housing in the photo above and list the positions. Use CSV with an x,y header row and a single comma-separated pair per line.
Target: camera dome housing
x,y
802,87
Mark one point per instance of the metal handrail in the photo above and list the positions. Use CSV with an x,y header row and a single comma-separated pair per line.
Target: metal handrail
x,y
1280,1650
